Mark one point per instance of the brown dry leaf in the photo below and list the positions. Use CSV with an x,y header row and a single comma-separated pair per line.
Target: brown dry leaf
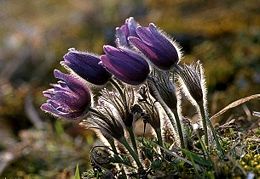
x,y
232,105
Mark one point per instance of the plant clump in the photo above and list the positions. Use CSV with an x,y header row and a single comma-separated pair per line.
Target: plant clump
x,y
143,79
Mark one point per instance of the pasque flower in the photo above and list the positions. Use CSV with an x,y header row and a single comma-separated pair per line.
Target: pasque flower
x,y
69,98
194,85
87,66
159,49
126,30
125,64
122,105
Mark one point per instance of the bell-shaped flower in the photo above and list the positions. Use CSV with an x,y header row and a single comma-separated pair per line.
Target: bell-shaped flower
x,y
87,66
69,98
125,64
126,30
158,48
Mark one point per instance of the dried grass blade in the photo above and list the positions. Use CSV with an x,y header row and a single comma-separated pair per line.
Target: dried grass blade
x,y
233,105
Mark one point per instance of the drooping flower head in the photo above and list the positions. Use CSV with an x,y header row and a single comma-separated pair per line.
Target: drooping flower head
x,y
150,112
159,49
69,98
121,104
87,66
105,120
125,64
126,30
163,81
193,82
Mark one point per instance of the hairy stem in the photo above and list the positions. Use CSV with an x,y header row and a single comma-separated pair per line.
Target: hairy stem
x,y
208,122
132,137
204,122
159,136
132,152
168,112
179,127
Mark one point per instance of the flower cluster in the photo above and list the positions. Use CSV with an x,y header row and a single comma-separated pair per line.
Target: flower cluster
x,y
124,62
137,77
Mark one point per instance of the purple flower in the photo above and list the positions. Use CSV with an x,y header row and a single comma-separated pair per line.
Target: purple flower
x,y
159,49
126,30
87,66
125,64
69,98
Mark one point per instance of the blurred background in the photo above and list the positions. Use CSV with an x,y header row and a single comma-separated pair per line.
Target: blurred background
x,y
35,34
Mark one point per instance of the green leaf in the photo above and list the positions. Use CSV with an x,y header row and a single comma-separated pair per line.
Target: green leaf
x,y
196,158
77,175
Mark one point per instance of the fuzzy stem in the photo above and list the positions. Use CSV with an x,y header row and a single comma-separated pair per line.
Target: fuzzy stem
x,y
204,122
206,153
168,111
132,137
179,126
207,120
132,152
159,136
216,138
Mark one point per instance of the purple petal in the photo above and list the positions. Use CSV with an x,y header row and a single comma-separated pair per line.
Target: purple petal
x,y
61,87
143,47
131,25
48,93
113,52
164,42
130,70
126,30
121,37
145,35
70,100
50,109
73,83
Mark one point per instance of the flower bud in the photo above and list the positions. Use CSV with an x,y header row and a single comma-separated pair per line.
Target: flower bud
x,y
126,65
87,66
158,48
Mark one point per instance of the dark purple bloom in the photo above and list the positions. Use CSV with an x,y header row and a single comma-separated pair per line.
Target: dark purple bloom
x,y
125,64
69,98
87,66
126,30
159,49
